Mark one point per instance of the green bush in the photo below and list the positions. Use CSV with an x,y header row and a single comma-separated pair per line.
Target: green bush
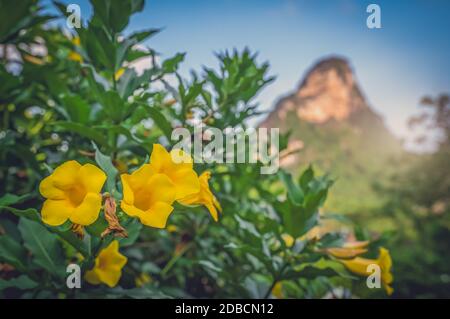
x,y
82,100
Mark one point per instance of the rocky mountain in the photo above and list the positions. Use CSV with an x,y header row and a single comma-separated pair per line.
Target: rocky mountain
x,y
333,126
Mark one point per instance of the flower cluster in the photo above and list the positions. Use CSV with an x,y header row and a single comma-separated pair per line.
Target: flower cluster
x,y
73,192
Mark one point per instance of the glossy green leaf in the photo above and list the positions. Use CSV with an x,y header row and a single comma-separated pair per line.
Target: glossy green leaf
x,y
12,252
22,282
44,246
107,166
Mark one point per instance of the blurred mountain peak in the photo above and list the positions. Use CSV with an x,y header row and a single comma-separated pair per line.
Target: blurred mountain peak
x,y
333,126
328,91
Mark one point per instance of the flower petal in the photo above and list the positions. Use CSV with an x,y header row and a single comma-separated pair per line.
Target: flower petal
x,y
110,264
56,212
131,210
87,212
160,159
181,159
139,178
92,178
157,215
389,289
358,265
48,189
111,257
186,182
212,211
343,252
128,195
92,277
65,175
161,189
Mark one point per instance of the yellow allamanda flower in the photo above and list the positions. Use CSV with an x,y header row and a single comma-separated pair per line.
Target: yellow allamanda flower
x,y
204,197
349,249
178,166
142,280
75,56
360,266
148,195
76,41
33,59
313,233
73,193
108,266
277,290
119,73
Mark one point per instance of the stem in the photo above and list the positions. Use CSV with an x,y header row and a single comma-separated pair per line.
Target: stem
x,y
275,280
174,259
277,277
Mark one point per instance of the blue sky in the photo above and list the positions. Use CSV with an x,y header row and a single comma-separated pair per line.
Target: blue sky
x,y
395,65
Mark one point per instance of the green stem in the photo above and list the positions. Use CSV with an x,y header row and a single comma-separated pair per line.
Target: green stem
x,y
174,259
278,276
275,280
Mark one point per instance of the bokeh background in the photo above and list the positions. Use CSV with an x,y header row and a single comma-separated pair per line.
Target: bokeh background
x,y
369,106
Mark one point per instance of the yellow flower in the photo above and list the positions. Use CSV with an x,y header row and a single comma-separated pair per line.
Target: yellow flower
x,y
277,290
349,250
148,195
204,197
34,60
172,228
288,240
178,166
359,266
108,266
76,41
312,234
72,192
74,56
119,73
142,280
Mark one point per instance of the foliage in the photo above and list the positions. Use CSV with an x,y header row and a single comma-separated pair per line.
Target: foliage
x,y
79,98
419,202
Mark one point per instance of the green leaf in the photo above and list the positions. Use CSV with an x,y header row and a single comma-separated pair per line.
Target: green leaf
x,y
133,228
295,194
68,236
322,267
209,265
171,65
22,282
98,226
82,130
247,226
296,219
12,252
306,177
44,246
77,108
107,166
143,35
11,199
29,213
257,286
113,105
160,121
119,129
